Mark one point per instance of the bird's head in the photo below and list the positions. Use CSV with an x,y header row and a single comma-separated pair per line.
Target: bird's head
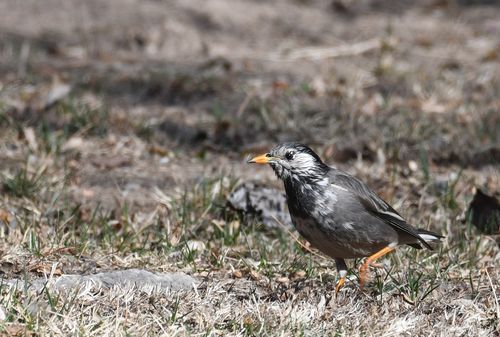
x,y
293,161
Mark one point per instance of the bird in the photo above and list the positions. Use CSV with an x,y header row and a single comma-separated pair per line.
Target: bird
x,y
338,213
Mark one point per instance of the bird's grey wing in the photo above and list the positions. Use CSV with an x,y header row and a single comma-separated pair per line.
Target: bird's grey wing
x,y
372,202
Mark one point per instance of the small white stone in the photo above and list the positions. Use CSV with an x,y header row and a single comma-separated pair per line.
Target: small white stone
x,y
164,160
3,316
194,245
412,165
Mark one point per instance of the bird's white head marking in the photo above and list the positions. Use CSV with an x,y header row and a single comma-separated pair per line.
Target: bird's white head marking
x,y
296,161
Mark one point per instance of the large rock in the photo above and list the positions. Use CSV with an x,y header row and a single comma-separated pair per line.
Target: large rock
x,y
122,278
267,204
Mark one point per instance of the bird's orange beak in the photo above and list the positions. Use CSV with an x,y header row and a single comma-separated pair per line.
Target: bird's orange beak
x,y
262,159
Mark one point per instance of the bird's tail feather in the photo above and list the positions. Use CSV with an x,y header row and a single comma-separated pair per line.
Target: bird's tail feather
x,y
429,236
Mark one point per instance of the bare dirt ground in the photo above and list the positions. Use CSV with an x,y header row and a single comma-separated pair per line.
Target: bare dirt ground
x,y
126,123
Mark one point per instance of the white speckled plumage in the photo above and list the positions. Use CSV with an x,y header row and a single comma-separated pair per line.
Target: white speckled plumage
x,y
336,212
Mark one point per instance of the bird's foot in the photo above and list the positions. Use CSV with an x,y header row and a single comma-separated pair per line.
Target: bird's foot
x,y
377,265
341,281
363,270
339,285
370,261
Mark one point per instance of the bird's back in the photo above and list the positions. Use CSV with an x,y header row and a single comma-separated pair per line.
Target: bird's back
x,y
335,222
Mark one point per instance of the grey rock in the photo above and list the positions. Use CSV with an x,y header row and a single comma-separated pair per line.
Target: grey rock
x,y
121,278
266,203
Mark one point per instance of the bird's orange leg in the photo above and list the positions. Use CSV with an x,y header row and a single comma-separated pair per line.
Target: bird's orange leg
x,y
369,261
341,281
342,270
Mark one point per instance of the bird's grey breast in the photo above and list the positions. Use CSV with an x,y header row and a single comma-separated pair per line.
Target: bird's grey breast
x,y
315,221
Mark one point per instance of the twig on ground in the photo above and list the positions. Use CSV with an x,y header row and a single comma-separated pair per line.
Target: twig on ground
x,y
320,53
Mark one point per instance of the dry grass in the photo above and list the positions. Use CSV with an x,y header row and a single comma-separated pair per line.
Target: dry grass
x,y
132,167
252,282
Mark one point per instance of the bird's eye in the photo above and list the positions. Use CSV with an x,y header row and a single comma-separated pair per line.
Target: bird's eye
x,y
289,155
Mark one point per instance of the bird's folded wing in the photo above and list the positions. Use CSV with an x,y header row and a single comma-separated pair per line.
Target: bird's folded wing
x,y
372,202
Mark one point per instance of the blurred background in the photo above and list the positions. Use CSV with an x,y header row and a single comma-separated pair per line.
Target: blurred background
x,y
135,94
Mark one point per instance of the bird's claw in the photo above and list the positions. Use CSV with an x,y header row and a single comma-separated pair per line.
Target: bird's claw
x,y
339,285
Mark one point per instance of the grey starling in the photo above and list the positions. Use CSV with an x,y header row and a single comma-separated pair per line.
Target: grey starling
x,y
338,213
